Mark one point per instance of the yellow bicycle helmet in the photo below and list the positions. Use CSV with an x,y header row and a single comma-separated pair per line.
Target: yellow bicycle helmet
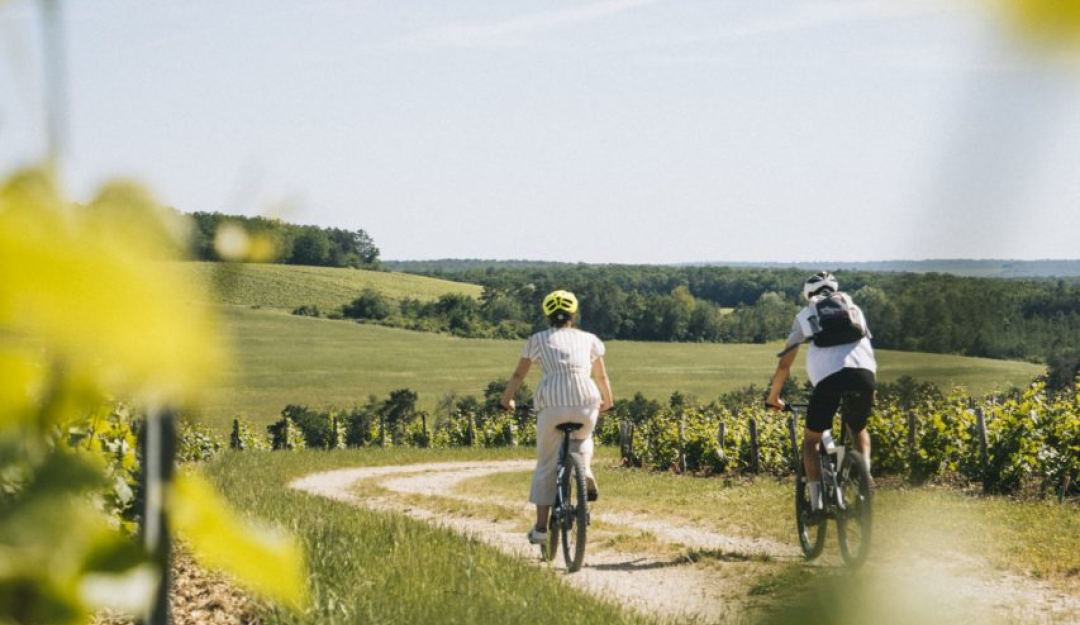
x,y
559,300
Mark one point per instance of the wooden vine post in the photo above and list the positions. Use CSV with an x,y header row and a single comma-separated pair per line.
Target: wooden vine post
x,y
913,452
980,422
682,443
158,459
755,463
626,442
796,454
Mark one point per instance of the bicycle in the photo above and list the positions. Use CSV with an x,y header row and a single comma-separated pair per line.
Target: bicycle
x,y
848,499
569,518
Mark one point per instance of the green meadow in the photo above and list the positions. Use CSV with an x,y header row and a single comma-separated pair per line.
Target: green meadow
x,y
281,359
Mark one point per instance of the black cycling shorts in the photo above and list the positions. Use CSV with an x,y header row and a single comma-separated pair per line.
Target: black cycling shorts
x,y
855,387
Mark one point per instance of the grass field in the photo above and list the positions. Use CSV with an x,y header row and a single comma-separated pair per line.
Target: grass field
x,y
289,286
283,359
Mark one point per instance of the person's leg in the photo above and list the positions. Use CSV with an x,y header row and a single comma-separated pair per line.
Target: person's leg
x,y
547,450
861,441
542,513
811,462
824,401
581,443
859,385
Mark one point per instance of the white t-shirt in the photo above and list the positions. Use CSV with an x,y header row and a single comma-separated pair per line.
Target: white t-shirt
x,y
822,362
565,356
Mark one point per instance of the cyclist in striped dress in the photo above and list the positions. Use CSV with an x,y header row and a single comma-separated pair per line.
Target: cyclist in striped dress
x,y
574,387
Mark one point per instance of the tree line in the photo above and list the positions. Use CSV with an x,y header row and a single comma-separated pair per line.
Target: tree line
x,y
1036,320
293,244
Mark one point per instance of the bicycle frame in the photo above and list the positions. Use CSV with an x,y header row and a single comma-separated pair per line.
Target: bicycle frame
x,y
830,470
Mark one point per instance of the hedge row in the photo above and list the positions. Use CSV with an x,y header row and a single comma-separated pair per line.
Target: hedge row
x,y
918,433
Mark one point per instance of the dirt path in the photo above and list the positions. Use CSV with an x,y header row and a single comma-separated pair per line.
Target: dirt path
x,y
946,589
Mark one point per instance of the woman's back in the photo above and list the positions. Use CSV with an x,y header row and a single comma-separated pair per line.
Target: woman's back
x,y
565,355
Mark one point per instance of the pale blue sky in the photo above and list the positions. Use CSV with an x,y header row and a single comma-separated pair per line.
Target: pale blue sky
x,y
648,131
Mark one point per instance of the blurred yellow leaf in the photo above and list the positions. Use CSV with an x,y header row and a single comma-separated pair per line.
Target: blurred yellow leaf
x,y
86,284
232,242
21,385
123,213
266,561
1046,21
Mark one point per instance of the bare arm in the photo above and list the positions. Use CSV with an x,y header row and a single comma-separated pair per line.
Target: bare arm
x,y
515,383
599,374
783,368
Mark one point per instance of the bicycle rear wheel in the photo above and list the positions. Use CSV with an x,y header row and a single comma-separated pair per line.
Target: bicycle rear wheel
x,y
854,521
574,519
811,537
549,550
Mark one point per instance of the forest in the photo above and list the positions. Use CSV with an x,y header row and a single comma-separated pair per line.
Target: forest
x,y
1027,319
292,244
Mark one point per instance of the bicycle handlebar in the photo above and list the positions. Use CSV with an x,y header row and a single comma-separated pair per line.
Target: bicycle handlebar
x,y
788,407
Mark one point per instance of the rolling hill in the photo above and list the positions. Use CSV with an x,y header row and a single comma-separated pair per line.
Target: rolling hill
x,y
287,287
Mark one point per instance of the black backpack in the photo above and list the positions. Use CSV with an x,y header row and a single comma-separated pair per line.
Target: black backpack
x,y
837,323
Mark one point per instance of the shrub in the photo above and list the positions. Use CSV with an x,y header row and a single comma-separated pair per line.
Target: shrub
x,y
320,430
243,437
284,435
370,305
362,424
109,433
196,443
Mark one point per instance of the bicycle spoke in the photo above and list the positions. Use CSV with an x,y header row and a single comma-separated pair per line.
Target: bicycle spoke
x,y
575,516
811,537
855,522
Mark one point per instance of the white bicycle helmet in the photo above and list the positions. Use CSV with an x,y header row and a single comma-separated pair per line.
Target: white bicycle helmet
x,y
817,282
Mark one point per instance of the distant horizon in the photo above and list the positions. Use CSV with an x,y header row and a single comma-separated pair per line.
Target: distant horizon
x,y
739,262
997,268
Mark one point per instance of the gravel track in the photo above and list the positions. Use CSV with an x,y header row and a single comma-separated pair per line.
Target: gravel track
x,y
946,588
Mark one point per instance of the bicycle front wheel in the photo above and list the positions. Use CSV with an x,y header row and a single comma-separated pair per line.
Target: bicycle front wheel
x,y
811,536
854,520
574,519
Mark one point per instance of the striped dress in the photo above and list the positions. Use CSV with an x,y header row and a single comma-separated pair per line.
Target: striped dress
x,y
565,356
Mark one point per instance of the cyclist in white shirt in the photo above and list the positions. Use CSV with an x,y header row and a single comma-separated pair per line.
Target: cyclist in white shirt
x,y
837,368
574,388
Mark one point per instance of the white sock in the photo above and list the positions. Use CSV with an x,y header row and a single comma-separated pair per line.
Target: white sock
x,y
815,495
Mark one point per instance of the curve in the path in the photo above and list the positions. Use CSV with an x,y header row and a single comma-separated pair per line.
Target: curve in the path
x,y
675,587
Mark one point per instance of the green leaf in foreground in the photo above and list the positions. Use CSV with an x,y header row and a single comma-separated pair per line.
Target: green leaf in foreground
x,y
266,561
